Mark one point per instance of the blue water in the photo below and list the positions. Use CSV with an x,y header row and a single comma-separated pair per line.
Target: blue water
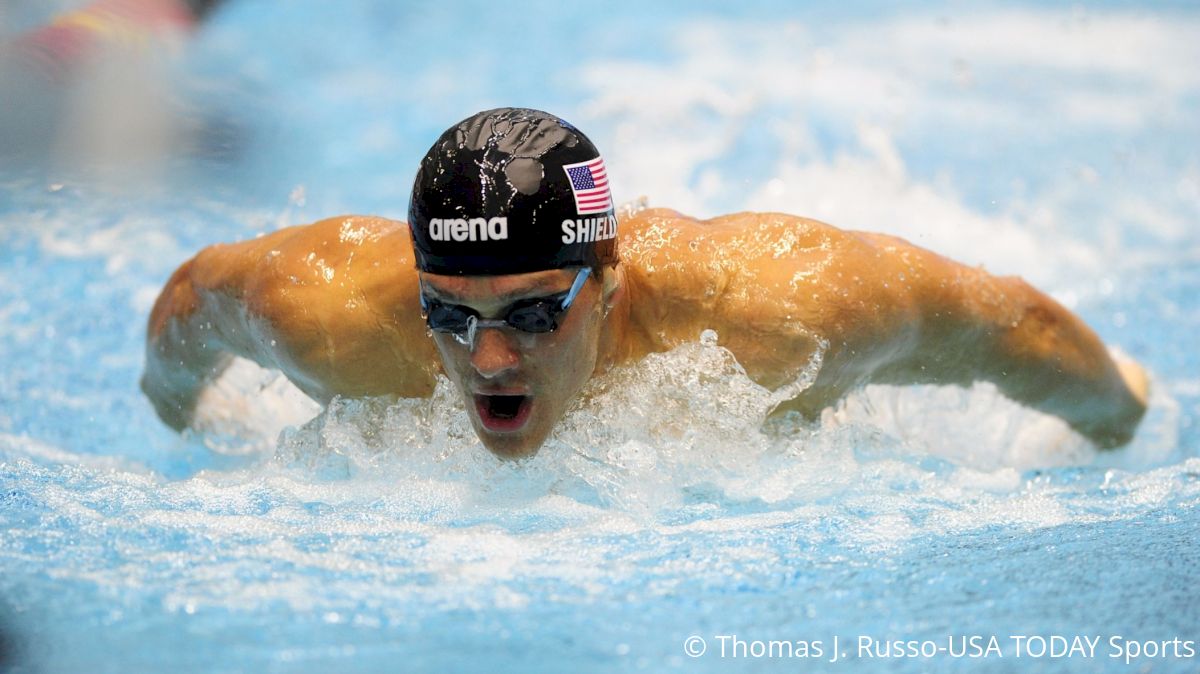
x,y
1058,144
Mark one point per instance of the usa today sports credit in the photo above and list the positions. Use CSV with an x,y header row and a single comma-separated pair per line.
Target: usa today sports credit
x,y
970,646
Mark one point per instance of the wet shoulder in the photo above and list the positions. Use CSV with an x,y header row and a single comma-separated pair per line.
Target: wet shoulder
x,y
755,278
341,240
658,236
300,254
342,262
317,254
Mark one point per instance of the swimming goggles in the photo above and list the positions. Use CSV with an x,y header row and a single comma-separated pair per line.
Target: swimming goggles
x,y
534,314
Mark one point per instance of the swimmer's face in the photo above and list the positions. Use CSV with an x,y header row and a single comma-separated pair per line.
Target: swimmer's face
x,y
517,385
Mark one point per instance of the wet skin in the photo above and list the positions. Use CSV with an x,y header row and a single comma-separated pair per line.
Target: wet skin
x,y
334,306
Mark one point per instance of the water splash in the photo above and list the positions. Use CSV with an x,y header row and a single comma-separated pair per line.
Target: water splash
x,y
675,434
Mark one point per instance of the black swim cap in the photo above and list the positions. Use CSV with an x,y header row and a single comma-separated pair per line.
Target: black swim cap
x,y
509,191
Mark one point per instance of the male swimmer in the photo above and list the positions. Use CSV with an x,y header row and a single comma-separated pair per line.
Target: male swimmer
x,y
507,280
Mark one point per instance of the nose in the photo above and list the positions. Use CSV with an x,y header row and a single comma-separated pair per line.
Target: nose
x,y
494,353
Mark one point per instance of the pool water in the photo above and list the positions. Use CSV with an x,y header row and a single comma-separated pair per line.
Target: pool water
x,y
1057,144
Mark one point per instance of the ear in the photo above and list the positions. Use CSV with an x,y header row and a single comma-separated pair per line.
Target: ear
x,y
612,287
611,281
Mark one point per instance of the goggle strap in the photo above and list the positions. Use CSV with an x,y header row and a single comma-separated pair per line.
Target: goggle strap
x,y
580,279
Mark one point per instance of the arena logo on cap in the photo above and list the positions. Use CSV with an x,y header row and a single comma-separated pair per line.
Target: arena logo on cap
x,y
472,229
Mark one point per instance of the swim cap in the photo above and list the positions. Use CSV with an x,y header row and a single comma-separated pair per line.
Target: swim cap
x,y
509,191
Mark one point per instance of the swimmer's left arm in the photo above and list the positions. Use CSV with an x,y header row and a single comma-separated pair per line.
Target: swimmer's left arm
x,y
1039,353
968,325
868,308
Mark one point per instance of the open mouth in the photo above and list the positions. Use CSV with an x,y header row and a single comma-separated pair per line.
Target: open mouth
x,y
503,413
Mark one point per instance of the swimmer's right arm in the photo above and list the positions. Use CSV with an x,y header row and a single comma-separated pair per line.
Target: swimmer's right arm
x,y
182,355
332,305
198,324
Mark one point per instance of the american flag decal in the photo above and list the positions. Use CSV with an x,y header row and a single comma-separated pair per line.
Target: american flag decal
x,y
589,182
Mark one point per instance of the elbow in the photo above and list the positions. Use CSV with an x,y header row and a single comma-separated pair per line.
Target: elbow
x,y
1129,410
1109,421
173,410
1114,431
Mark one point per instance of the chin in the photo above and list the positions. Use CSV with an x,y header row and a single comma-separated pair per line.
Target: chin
x,y
511,446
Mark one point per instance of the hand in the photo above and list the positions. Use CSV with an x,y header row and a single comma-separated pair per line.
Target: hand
x,y
1134,375
174,407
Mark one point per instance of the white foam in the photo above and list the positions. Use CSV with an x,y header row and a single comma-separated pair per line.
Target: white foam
x,y
245,408
652,437
401,504
677,124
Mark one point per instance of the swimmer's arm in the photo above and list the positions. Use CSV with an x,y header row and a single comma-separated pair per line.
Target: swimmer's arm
x,y
197,326
180,359
332,305
960,324
1038,353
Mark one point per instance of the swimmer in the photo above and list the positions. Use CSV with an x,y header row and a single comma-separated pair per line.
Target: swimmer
x,y
506,279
